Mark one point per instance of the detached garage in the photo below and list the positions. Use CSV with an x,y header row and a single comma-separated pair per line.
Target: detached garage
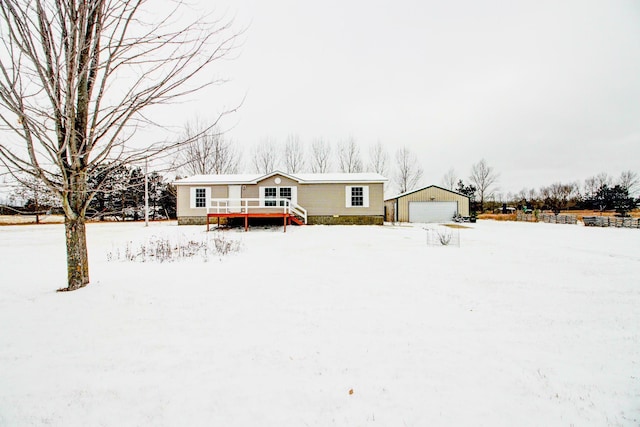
x,y
429,204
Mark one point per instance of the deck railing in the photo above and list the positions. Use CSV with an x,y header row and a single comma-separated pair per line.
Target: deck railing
x,y
255,205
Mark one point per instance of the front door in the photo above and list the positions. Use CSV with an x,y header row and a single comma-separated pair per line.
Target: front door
x,y
235,194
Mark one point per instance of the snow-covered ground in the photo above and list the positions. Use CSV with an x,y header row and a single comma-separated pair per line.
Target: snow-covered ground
x,y
522,325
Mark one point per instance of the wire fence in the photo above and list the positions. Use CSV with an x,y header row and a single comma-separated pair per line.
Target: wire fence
x,y
443,236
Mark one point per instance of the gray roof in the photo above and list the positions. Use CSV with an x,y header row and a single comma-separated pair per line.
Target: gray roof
x,y
406,193
303,178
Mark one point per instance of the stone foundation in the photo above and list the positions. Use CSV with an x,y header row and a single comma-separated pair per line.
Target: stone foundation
x,y
199,220
192,220
346,220
311,220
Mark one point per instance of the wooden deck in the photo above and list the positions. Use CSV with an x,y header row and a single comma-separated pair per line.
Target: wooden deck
x,y
287,218
256,208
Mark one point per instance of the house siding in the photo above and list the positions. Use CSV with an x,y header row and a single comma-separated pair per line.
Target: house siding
x,y
183,199
329,199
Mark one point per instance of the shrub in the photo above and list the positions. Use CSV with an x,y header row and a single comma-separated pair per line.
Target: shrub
x,y
163,249
445,237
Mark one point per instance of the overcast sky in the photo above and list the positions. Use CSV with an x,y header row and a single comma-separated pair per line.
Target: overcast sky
x,y
545,91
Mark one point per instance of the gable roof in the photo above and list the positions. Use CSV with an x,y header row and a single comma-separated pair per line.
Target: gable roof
x,y
424,188
302,178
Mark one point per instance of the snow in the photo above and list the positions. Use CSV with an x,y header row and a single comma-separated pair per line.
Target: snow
x,y
523,324
309,178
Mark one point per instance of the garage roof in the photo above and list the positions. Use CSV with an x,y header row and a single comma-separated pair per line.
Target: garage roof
x,y
424,188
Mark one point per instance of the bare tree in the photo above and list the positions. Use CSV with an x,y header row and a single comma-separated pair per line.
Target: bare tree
x,y
629,181
593,184
408,172
378,159
450,179
207,152
293,154
483,177
320,156
76,80
557,196
35,195
265,156
349,158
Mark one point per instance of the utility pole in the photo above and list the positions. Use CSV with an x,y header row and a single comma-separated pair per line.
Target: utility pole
x,y
146,193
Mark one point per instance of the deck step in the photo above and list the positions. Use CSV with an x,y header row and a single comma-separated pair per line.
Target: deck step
x,y
296,220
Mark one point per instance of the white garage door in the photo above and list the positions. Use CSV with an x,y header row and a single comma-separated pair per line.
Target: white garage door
x,y
432,211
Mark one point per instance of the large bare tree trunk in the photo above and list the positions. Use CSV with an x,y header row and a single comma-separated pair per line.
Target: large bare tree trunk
x,y
75,232
77,255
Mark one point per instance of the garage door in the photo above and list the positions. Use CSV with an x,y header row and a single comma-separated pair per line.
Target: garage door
x,y
432,211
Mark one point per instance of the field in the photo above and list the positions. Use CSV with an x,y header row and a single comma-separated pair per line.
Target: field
x,y
523,324
30,219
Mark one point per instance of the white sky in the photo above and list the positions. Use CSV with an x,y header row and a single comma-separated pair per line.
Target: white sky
x,y
543,90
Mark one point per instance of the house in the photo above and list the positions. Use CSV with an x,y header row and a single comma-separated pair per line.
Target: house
x,y
428,204
331,198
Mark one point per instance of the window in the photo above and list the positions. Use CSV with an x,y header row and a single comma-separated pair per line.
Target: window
x,y
201,198
357,196
285,193
270,193
272,196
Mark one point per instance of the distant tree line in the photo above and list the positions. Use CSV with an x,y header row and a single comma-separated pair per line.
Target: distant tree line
x,y
211,152
402,167
117,195
600,192
119,191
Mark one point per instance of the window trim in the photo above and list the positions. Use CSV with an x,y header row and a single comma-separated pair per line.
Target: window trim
x,y
293,191
349,196
194,197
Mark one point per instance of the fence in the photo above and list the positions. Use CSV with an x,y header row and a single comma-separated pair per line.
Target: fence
x,y
443,236
611,221
547,217
557,219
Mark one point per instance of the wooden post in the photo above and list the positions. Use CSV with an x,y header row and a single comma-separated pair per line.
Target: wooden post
x,y
246,222
207,223
285,223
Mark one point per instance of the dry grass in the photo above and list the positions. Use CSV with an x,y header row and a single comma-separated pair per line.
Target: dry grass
x,y
498,217
581,214
52,219
578,214
456,226
30,219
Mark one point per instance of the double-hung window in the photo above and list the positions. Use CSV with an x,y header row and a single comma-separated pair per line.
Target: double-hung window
x,y
357,196
270,193
285,193
274,196
199,197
